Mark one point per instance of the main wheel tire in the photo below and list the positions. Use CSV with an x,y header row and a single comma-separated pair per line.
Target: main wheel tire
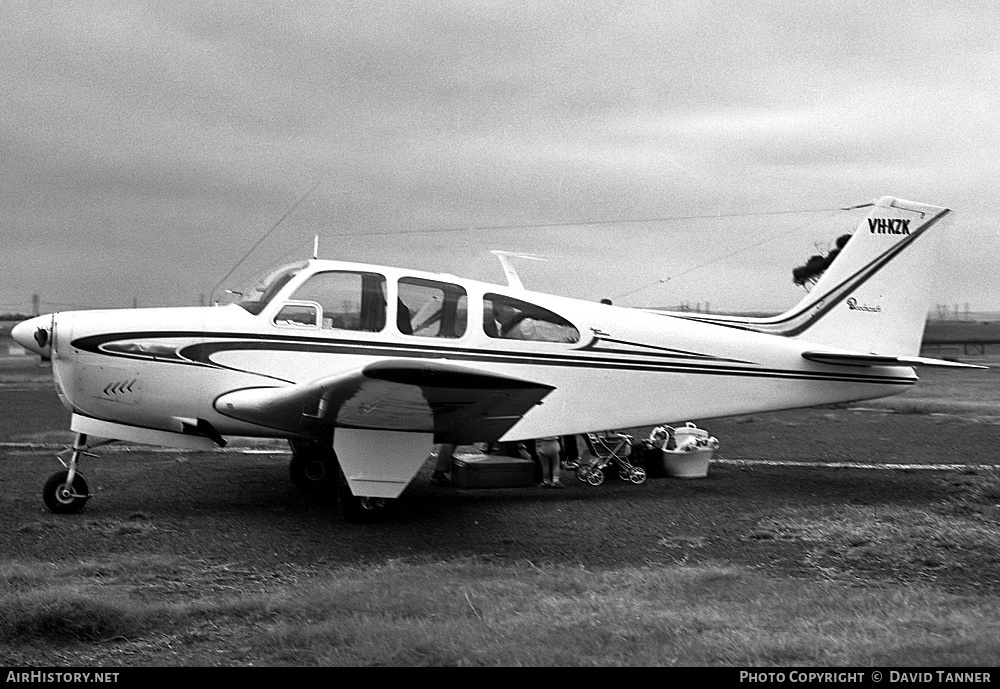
x,y
62,498
595,477
314,472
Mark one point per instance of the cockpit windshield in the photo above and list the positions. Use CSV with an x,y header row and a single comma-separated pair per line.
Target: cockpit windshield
x,y
262,290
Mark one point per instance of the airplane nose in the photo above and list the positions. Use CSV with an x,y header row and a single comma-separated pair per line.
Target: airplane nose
x,y
34,334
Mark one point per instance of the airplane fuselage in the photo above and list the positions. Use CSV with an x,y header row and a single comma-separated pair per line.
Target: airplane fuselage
x,y
164,368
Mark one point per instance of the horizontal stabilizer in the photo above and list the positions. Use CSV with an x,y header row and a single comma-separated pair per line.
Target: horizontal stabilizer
x,y
926,361
851,359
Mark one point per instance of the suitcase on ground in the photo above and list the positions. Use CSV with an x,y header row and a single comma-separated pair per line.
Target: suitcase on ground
x,y
492,471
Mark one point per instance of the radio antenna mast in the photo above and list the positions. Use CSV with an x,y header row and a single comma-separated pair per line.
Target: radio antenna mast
x,y
267,234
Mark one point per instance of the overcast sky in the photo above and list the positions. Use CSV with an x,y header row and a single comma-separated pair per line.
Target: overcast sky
x,y
148,146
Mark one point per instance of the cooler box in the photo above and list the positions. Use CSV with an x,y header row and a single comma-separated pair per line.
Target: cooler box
x,y
692,463
492,471
689,434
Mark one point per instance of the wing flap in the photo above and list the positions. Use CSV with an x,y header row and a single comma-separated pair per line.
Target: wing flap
x,y
455,403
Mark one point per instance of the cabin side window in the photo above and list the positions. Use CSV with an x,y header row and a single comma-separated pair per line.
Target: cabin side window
x,y
513,319
428,308
349,300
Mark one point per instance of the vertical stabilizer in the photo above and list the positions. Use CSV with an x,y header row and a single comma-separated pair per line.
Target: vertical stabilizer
x,y
875,296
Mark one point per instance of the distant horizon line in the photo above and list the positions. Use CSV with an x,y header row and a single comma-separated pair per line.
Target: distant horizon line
x,y
932,315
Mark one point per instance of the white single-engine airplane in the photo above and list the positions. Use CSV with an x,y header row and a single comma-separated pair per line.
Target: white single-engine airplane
x,y
362,368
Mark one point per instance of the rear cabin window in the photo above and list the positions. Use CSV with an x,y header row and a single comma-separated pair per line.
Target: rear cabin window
x,y
513,319
347,300
428,308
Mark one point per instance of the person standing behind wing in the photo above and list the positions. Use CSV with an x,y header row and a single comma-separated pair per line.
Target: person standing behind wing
x,y
547,452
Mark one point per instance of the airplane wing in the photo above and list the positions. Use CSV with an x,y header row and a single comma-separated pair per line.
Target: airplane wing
x,y
851,359
457,404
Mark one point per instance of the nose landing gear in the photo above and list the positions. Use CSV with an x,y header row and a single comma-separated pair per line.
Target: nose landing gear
x,y
66,492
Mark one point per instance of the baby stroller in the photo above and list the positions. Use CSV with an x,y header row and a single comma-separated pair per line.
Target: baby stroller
x,y
604,450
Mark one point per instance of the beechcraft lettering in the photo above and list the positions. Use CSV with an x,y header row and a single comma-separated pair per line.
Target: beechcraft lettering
x,y
853,305
889,225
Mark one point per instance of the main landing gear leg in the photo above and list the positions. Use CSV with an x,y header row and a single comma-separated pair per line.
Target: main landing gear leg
x,y
316,471
66,491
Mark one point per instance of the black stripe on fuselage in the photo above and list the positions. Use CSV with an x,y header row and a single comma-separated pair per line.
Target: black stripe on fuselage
x,y
200,353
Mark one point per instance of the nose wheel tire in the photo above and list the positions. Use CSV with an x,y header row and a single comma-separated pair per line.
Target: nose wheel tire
x,y
62,498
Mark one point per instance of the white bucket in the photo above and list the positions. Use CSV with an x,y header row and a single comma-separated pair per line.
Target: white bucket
x,y
690,463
